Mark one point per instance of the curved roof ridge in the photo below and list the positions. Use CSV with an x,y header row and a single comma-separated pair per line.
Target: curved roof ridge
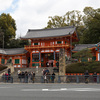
x,y
51,28
13,48
79,47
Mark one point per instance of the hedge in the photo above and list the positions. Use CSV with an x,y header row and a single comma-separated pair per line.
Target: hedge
x,y
83,66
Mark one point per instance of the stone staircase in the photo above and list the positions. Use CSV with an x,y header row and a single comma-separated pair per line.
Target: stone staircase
x,y
38,71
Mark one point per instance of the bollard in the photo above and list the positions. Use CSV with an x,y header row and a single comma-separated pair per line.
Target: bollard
x,y
11,79
97,78
77,79
59,81
42,79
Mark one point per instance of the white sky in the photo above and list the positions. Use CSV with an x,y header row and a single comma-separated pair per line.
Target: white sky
x,y
33,14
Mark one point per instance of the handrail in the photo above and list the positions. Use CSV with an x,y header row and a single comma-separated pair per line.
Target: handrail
x,y
51,79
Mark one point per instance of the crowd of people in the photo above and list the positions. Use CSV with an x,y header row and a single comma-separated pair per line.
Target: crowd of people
x,y
7,76
26,77
86,74
50,64
47,77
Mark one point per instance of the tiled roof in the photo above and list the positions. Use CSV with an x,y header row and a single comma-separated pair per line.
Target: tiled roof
x,y
13,51
44,33
79,47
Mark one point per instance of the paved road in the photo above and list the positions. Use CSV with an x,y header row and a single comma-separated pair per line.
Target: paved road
x,y
49,91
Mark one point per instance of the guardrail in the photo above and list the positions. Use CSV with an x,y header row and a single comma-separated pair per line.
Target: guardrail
x,y
52,79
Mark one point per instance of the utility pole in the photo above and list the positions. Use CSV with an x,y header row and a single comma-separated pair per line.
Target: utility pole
x,y
2,34
3,40
70,46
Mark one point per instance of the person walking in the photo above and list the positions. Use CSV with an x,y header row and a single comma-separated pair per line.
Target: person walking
x,y
19,72
26,77
23,76
45,78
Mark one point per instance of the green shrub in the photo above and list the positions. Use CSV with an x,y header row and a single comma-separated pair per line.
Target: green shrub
x,y
83,66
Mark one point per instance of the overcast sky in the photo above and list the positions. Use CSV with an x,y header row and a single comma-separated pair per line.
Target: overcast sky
x,y
33,14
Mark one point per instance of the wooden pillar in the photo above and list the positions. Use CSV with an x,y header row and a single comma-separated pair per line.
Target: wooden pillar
x,y
39,58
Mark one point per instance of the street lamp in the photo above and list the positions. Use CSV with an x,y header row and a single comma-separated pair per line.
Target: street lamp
x,y
98,49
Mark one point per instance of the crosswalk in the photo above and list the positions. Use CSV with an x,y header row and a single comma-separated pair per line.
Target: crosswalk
x,y
53,89
63,89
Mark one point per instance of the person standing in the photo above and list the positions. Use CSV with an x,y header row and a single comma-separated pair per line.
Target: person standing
x,y
23,76
53,77
18,73
86,74
95,76
43,72
26,77
47,64
52,64
33,77
57,64
9,73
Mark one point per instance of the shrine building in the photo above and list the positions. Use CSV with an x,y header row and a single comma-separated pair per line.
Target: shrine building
x,y
16,56
45,44
44,47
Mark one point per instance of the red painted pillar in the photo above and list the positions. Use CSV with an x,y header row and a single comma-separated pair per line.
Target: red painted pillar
x,y
0,59
13,60
31,59
96,56
39,58
54,63
5,60
21,61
